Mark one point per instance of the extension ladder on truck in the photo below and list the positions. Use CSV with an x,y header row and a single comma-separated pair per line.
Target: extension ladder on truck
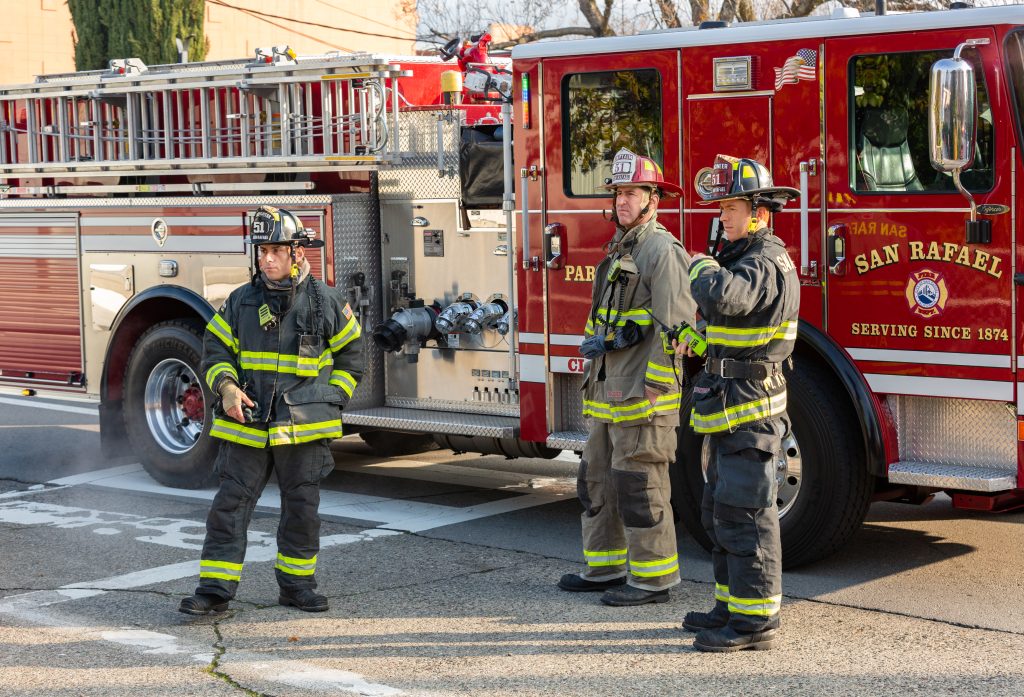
x,y
278,112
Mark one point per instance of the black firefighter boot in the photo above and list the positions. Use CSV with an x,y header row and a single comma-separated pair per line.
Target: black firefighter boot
x,y
306,599
726,639
631,595
696,621
574,583
202,604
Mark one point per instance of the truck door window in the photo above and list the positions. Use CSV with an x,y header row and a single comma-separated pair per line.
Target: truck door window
x,y
601,113
1015,65
889,107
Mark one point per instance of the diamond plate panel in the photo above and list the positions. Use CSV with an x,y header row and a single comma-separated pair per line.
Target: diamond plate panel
x,y
416,174
952,476
356,223
453,406
570,403
421,420
568,440
956,432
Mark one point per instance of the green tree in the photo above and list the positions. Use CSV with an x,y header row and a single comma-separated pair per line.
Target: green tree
x,y
146,29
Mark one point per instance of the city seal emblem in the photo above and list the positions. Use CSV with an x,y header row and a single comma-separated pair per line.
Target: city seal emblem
x,y
927,293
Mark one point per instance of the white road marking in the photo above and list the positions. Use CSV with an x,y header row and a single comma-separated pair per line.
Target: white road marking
x,y
152,641
32,402
310,677
392,514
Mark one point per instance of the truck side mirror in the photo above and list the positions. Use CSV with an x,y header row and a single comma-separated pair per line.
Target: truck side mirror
x,y
952,114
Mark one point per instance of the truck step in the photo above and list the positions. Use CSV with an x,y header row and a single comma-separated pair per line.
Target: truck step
x,y
427,421
965,477
568,440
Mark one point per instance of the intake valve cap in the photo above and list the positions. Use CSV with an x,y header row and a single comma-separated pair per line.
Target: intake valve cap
x,y
485,316
453,315
505,323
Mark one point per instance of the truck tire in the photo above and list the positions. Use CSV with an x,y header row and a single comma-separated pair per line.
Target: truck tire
x,y
167,408
391,444
825,487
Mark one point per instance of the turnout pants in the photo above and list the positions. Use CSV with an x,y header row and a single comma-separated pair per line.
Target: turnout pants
x,y
244,472
740,515
624,487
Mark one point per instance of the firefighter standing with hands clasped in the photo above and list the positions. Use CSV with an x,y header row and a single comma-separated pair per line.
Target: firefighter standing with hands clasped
x,y
284,354
749,294
632,390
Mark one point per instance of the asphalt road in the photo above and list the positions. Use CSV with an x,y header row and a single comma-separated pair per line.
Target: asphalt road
x,y
440,570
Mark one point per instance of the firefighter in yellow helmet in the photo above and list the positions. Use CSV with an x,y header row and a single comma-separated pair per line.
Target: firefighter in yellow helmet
x,y
632,395
284,354
749,294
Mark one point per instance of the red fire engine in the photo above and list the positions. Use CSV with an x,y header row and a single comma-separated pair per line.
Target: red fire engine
x,y
123,228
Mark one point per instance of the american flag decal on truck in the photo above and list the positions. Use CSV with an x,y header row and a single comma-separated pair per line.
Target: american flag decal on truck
x,y
802,66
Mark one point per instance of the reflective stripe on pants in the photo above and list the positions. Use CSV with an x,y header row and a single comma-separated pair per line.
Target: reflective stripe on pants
x,y
627,520
244,472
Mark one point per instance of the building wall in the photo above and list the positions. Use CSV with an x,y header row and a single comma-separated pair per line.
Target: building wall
x,y
38,34
234,34
36,39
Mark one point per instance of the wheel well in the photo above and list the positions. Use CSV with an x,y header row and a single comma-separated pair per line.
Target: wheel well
x,y
133,325
145,310
875,422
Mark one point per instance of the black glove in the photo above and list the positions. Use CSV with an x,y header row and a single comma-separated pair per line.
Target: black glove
x,y
628,335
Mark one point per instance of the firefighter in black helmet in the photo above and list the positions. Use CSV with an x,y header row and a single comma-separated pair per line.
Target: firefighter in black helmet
x,y
749,293
284,354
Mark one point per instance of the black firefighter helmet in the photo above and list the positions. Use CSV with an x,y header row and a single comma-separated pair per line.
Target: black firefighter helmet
x,y
277,226
740,177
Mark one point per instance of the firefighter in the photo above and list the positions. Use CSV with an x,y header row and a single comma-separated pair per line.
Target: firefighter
x,y
632,395
750,296
284,354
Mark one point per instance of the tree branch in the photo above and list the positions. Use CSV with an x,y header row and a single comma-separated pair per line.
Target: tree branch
x,y
669,13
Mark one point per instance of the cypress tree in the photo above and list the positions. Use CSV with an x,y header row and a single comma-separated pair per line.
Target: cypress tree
x,y
143,29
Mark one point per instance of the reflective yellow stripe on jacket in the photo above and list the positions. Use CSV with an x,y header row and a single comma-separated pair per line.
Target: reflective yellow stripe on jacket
x,y
641,317
292,434
344,380
231,430
763,408
700,265
303,366
349,333
660,373
632,412
218,369
222,330
751,336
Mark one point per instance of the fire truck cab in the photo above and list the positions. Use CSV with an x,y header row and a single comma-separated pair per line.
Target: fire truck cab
x,y
902,133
